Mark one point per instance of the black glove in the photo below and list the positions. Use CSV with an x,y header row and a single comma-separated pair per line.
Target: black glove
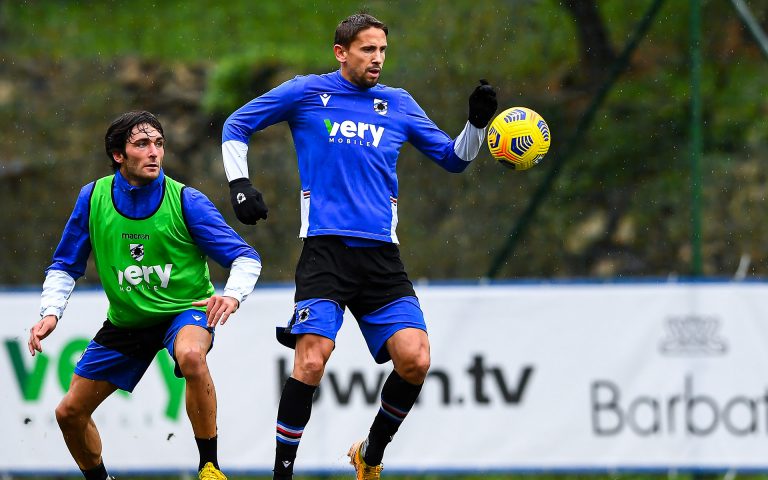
x,y
482,104
247,201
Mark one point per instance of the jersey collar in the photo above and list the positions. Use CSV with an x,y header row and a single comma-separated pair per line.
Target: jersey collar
x,y
351,86
122,184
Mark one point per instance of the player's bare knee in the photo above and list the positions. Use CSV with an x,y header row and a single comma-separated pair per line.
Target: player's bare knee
x,y
309,367
414,368
68,415
63,414
192,362
310,371
422,366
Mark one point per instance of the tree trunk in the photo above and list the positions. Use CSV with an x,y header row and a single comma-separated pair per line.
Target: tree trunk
x,y
597,53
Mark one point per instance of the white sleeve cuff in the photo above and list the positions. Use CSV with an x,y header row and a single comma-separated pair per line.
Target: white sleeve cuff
x,y
243,275
235,156
468,143
57,288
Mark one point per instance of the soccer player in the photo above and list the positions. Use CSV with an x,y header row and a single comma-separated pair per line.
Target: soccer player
x,y
150,236
348,130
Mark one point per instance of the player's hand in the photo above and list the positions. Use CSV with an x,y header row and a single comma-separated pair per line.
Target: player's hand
x,y
39,331
482,104
247,201
218,308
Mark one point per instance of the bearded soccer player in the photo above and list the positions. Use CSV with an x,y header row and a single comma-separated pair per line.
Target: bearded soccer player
x,y
348,130
150,236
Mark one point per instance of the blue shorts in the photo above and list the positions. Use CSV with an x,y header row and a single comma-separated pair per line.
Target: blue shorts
x,y
335,273
120,356
324,317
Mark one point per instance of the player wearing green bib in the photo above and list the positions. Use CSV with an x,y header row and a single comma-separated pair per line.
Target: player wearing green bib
x,y
139,292
150,237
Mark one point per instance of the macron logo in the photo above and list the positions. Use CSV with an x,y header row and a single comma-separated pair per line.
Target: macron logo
x,y
325,97
366,133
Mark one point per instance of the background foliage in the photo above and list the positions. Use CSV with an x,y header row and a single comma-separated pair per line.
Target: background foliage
x,y
620,208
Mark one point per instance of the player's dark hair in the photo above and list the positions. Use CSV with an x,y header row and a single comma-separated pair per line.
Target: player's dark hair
x,y
354,24
119,132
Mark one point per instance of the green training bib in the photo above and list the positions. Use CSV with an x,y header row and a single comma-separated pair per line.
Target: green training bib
x,y
150,268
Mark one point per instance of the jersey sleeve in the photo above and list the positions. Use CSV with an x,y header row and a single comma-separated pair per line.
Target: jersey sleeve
x,y
430,140
221,243
268,109
57,289
243,275
71,254
210,232
69,259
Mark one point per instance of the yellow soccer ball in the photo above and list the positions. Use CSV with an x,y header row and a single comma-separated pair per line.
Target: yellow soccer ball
x,y
518,138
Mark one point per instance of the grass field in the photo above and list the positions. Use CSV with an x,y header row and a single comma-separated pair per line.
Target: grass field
x,y
671,475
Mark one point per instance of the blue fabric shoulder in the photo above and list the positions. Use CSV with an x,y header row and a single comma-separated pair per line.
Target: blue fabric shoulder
x,y
272,107
71,254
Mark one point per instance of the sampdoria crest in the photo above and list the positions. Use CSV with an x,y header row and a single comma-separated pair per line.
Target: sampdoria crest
x,y
137,251
380,106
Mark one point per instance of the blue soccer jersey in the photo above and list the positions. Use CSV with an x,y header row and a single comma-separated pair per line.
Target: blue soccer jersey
x,y
347,142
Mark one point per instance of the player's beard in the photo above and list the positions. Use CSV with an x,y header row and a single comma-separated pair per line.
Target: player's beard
x,y
366,82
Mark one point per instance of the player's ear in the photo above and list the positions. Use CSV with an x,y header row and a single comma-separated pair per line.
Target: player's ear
x,y
340,53
118,157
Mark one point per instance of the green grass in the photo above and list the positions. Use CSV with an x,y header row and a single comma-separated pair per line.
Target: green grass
x,y
543,476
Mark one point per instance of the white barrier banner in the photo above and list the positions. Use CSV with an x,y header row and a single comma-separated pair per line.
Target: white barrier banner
x,y
556,377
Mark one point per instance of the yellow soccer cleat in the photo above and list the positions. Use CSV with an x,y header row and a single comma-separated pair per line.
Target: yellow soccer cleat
x,y
363,471
209,472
